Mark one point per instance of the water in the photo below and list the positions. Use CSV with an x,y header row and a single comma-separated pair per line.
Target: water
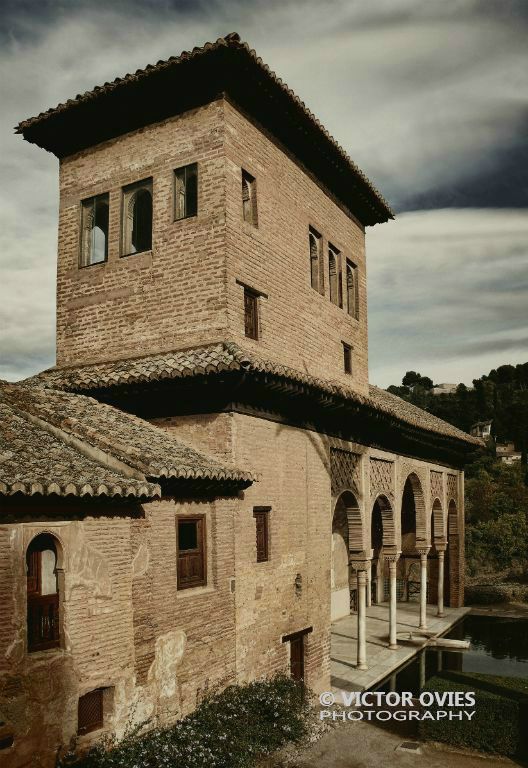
x,y
499,646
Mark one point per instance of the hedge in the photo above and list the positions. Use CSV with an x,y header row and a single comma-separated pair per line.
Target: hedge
x,y
233,729
501,714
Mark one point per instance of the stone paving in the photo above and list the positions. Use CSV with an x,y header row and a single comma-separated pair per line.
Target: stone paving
x,y
380,659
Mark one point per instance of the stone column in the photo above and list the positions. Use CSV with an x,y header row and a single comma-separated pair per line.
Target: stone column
x,y
392,559
441,548
361,568
422,551
422,670
369,585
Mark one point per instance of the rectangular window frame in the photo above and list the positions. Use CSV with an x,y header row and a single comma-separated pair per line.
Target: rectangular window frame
x,y
251,328
249,213
319,284
336,292
124,191
201,549
82,264
347,358
184,168
349,264
262,514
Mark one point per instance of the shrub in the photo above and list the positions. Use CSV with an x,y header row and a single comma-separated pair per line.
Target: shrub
x,y
231,729
501,708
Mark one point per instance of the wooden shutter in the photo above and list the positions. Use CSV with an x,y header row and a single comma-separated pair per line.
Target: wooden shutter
x,y
262,534
191,552
90,712
251,314
297,657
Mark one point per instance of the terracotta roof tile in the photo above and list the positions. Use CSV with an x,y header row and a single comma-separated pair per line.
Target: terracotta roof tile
x,y
215,358
58,442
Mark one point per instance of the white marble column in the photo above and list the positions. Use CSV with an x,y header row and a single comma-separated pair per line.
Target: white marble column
x,y
361,568
369,585
392,560
422,551
441,548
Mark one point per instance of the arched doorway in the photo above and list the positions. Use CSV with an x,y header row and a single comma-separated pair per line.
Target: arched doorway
x,y
43,598
413,533
437,537
452,558
382,534
346,538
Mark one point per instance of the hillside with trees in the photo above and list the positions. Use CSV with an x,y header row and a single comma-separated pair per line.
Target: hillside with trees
x,y
496,493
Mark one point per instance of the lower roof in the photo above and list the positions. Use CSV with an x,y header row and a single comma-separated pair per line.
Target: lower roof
x,y
57,442
228,356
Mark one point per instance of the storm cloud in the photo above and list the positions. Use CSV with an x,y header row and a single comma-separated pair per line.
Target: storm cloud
x,y
428,98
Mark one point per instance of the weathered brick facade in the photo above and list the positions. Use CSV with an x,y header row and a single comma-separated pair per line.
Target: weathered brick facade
x,y
125,625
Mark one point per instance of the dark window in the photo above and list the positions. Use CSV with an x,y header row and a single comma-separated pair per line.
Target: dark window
x,y
347,358
186,191
261,516
352,289
137,218
316,261
251,323
90,712
334,273
42,594
94,230
249,198
297,657
191,552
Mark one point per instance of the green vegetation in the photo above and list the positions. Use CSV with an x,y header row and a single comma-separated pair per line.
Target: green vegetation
x,y
501,713
233,728
496,493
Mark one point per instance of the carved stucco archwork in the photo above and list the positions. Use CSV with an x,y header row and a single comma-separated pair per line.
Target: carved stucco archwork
x,y
408,468
437,486
345,472
382,479
452,488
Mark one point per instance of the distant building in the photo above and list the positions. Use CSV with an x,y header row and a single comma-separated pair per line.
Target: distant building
x,y
507,454
481,429
444,389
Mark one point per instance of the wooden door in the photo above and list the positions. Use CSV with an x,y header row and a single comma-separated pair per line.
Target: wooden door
x,y
297,657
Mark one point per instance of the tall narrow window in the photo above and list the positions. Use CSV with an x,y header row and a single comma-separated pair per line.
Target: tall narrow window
x,y
261,515
137,218
94,230
42,594
347,358
186,191
316,261
90,712
251,321
334,273
352,289
191,552
249,198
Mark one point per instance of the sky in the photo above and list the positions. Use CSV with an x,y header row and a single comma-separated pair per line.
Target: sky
x,y
430,99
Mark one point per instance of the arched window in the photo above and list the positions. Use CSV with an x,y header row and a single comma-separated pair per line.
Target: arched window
x,y
352,289
316,271
137,221
249,198
42,593
94,238
334,273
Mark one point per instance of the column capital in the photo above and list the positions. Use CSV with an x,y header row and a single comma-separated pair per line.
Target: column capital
x,y
441,546
391,556
360,561
422,549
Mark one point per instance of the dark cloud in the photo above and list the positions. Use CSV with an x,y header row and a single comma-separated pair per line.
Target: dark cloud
x,y
428,98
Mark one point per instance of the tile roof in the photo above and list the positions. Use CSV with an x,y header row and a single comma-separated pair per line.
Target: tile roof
x,y
228,356
230,44
58,442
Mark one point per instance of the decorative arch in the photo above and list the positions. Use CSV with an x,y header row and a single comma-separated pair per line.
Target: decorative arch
x,y
348,506
44,562
347,537
452,519
413,488
387,519
437,522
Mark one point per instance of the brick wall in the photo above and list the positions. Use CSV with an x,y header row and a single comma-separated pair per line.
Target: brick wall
x,y
184,292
